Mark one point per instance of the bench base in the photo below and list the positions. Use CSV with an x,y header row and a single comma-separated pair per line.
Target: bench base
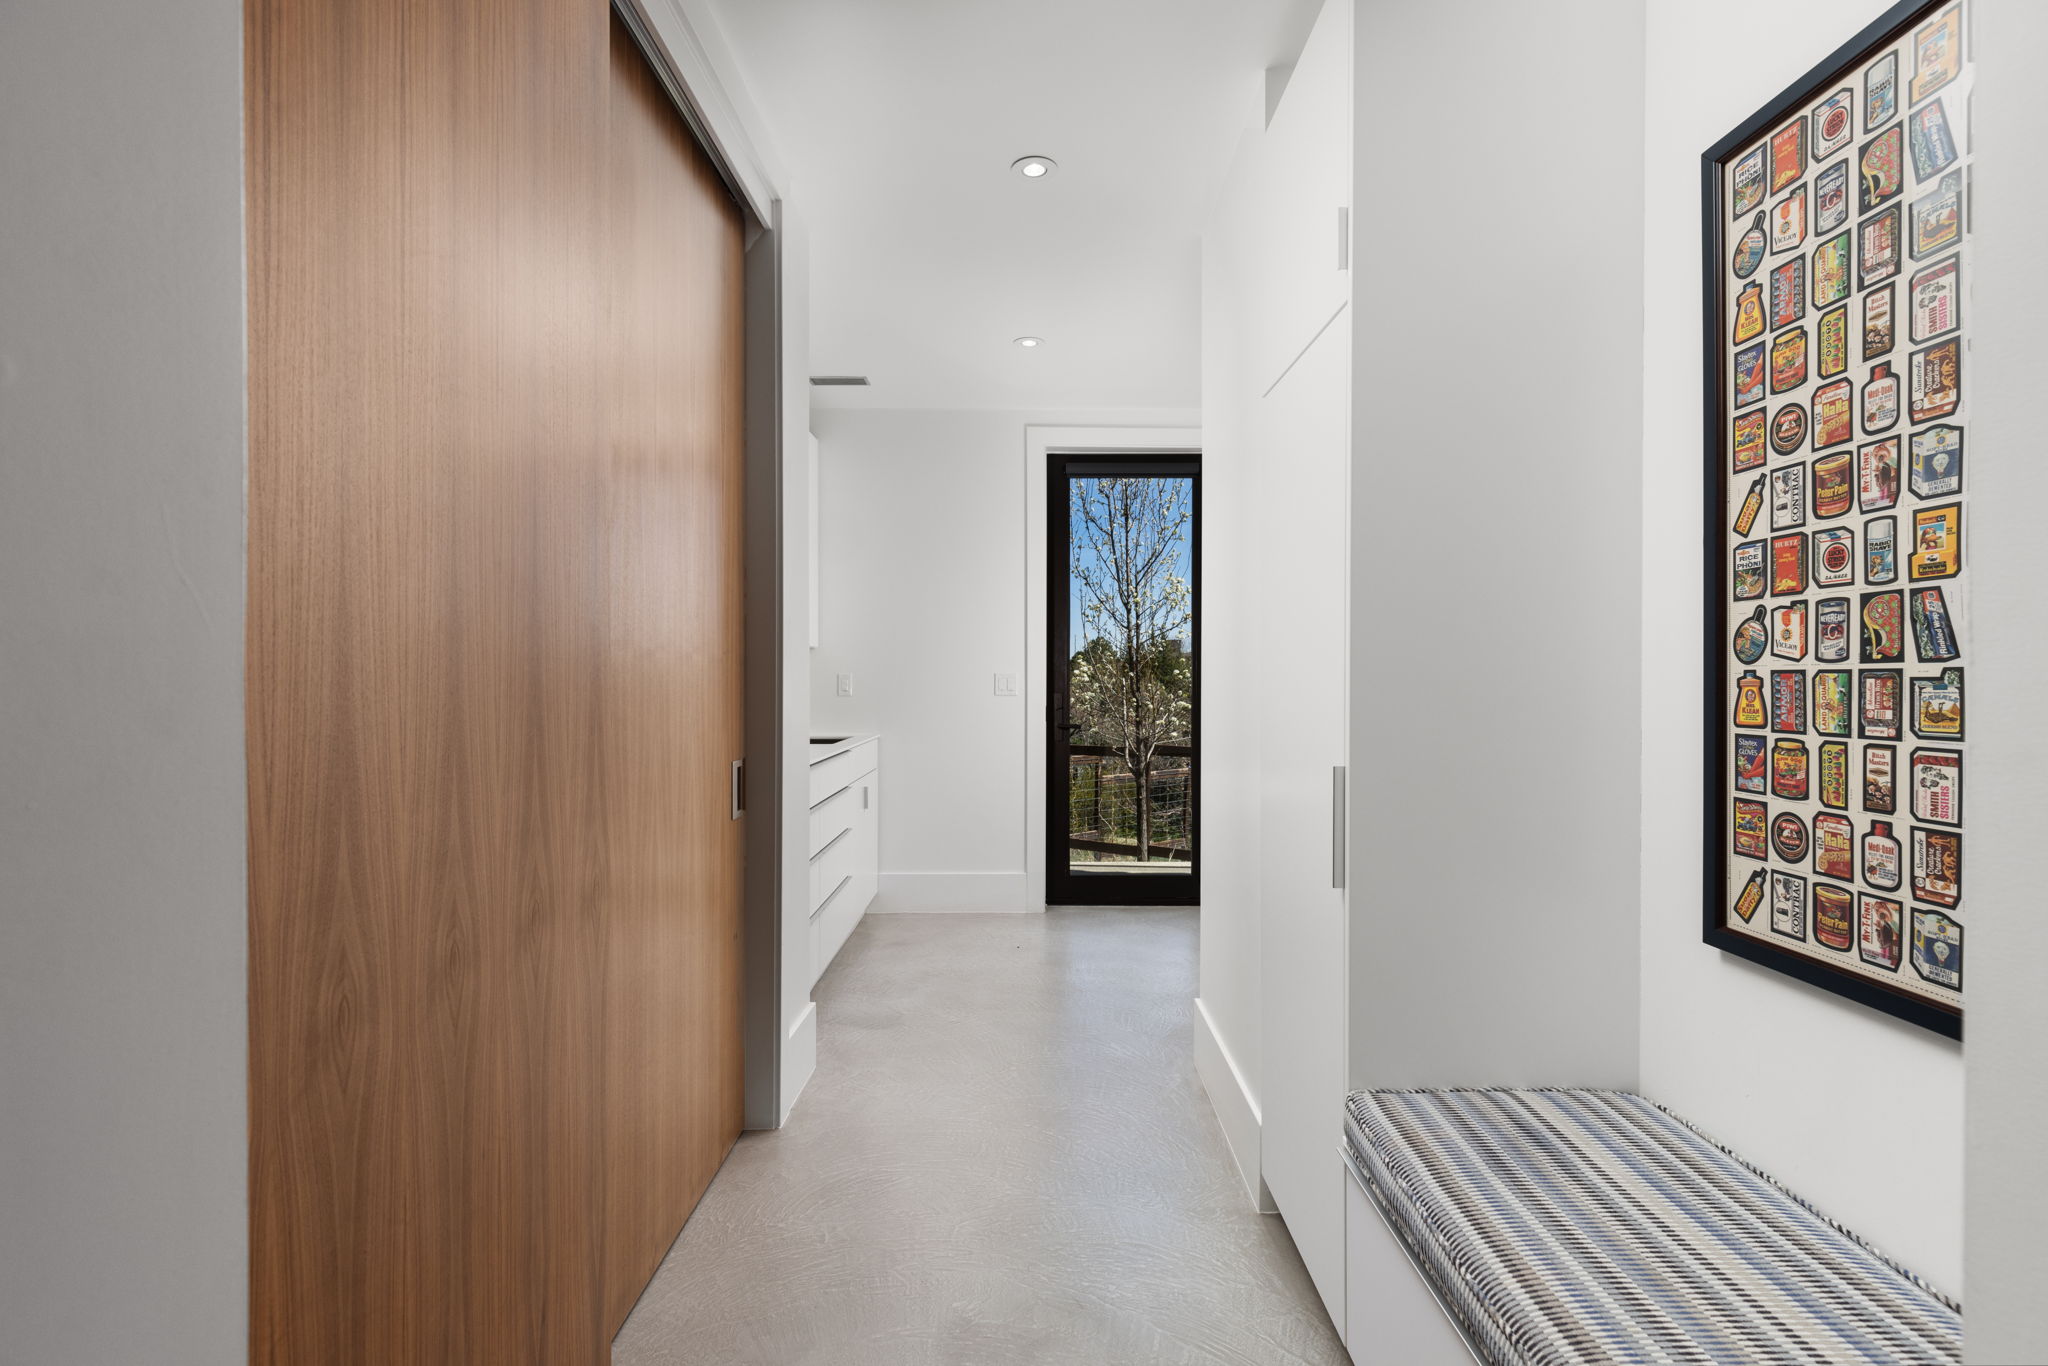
x,y
1392,1316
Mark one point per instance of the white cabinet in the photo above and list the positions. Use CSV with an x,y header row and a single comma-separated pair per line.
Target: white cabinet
x,y
1301,431
1300,250
845,840
1282,382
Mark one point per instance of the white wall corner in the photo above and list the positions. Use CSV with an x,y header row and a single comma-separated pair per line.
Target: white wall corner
x,y
1005,893
1237,1109
799,1057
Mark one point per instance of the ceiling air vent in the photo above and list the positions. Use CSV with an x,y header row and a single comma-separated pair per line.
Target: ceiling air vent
x,y
840,381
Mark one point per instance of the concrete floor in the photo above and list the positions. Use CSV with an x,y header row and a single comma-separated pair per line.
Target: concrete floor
x,y
1004,1157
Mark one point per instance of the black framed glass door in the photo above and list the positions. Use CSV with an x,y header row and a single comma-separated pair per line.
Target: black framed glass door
x,y
1123,782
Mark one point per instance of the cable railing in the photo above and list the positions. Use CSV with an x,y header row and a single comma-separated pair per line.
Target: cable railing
x,y
1103,808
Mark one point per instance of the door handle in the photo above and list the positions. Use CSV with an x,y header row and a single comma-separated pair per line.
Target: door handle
x,y
739,788
1337,869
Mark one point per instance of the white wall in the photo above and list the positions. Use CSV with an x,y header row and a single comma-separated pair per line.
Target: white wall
x,y
1730,1045
1496,497
2006,1182
922,547
123,900
1230,1027
798,1055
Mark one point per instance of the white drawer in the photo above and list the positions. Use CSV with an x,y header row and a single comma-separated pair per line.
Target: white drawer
x,y
836,814
832,866
830,775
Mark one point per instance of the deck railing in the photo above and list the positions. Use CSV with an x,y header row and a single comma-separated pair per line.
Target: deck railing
x,y
1102,806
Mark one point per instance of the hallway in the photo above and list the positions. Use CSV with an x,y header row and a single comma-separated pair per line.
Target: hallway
x,y
1004,1157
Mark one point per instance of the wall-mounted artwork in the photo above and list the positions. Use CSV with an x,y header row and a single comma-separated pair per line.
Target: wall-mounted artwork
x,y
1837,522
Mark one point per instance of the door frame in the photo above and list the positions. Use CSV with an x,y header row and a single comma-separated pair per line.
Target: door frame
x,y
1041,443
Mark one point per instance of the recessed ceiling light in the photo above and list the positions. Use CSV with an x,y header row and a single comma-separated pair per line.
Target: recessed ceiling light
x,y
1034,168
1028,342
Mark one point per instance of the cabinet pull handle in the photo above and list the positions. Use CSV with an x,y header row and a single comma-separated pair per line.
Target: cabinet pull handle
x,y
830,895
1337,827
739,788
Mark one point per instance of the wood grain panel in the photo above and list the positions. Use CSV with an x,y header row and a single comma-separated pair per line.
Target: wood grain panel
x,y
483,693
672,1046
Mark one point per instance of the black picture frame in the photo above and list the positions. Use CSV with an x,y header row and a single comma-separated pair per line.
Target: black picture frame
x,y
1718,413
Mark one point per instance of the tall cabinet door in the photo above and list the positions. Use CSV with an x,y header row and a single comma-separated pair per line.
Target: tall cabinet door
x,y
1300,444
1303,430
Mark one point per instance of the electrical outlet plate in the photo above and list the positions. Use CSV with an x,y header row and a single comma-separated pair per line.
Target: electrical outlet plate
x,y
846,685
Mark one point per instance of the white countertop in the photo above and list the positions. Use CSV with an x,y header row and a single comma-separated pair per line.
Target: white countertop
x,y
825,748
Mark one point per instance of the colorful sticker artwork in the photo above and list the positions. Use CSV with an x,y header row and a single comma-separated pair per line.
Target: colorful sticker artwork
x,y
1788,221
1834,558
1833,343
1748,188
1937,706
1880,931
1834,123
1750,249
1880,401
1877,248
1934,146
1752,894
1880,97
1937,53
1937,867
1841,250
1938,949
1831,271
1747,441
1937,542
1938,217
1881,164
1880,794
1788,360
1936,295
1788,904
1831,197
1788,154
1938,461
1749,375
1877,321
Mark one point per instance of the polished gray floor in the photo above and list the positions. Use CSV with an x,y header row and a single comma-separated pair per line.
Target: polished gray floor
x,y
1004,1157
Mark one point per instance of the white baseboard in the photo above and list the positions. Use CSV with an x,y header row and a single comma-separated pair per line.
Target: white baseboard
x,y
1232,1101
923,893
799,1056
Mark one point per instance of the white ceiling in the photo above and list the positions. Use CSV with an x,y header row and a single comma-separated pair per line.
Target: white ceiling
x,y
899,120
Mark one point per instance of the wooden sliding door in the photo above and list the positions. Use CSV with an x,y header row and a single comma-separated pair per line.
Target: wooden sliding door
x,y
672,720
493,680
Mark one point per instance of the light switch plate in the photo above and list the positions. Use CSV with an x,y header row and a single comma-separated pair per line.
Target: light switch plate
x,y
1006,685
846,685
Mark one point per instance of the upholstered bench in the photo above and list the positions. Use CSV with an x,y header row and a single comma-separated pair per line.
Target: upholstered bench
x,y
1557,1227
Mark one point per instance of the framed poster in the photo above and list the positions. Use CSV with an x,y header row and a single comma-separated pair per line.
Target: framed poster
x,y
1837,642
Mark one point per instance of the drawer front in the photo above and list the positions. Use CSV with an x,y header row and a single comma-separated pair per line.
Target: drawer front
x,y
830,775
830,818
832,865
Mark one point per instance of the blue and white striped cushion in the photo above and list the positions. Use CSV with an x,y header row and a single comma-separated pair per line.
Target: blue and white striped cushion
x,y
1575,1227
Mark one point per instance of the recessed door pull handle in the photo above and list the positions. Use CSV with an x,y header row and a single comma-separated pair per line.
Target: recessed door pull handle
x,y
1337,827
